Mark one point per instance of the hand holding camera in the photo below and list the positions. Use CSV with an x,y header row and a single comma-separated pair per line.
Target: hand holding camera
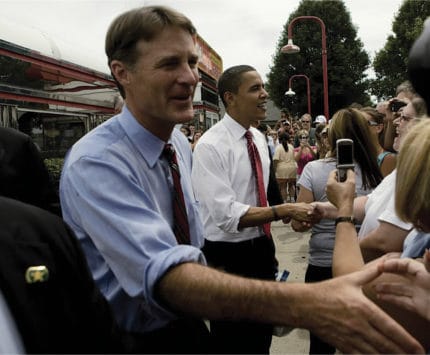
x,y
395,105
344,157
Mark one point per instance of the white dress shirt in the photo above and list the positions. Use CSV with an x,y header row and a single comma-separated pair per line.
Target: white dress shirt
x,y
223,180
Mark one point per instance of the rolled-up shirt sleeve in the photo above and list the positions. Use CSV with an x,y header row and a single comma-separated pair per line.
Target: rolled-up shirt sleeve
x,y
213,188
123,229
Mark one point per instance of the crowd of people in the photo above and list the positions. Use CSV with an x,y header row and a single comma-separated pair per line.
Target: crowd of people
x,y
161,230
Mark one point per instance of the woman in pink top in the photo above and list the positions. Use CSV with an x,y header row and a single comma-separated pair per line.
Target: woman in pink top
x,y
304,153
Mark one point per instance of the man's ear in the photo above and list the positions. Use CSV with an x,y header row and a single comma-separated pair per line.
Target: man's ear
x,y
120,72
229,98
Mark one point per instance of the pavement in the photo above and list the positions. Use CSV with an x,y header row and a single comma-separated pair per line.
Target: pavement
x,y
292,254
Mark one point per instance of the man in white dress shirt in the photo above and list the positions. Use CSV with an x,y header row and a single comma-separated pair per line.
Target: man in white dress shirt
x,y
225,185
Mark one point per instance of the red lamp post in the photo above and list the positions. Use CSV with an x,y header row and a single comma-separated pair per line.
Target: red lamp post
x,y
290,47
290,92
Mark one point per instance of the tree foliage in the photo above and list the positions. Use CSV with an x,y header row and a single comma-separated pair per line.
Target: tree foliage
x,y
390,63
346,60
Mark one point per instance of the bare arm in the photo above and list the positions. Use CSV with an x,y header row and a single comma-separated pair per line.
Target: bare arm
x,y
389,131
388,164
256,216
384,239
347,256
329,211
336,310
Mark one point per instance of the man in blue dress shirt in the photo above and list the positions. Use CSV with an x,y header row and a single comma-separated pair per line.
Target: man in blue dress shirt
x,y
116,193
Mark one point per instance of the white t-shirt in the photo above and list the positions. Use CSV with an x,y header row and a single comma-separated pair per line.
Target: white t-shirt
x,y
314,178
380,207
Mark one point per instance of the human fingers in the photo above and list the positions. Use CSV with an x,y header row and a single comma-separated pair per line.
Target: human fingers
x,y
319,209
350,175
401,266
395,293
395,339
314,213
365,275
303,212
332,177
286,220
362,327
383,326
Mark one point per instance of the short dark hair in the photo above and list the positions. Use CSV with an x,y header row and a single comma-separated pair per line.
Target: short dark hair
x,y
230,80
145,23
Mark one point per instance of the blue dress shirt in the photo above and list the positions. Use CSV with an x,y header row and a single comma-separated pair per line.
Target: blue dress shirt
x,y
116,194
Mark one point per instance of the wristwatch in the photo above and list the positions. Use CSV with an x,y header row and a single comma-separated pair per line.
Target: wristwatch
x,y
349,219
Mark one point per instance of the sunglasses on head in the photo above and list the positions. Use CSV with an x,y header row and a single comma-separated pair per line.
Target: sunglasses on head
x,y
373,123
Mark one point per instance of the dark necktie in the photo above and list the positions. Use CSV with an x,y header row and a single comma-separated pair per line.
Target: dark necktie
x,y
254,156
180,225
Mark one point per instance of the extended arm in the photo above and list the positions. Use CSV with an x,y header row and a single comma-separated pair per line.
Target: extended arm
x,y
256,216
384,239
329,211
347,256
325,308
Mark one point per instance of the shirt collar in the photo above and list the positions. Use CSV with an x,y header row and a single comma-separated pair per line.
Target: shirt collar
x,y
148,145
235,128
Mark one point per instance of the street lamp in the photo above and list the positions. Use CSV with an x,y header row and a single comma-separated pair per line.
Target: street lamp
x,y
290,48
290,92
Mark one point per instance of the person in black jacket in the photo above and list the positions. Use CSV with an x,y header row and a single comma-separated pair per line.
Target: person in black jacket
x,y
23,174
46,283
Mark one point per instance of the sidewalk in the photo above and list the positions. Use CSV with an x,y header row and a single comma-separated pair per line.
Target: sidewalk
x,y
292,254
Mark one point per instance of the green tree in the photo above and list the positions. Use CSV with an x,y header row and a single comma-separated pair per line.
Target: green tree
x,y
390,63
346,60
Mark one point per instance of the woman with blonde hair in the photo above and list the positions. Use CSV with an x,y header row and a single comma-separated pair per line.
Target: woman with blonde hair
x,y
413,183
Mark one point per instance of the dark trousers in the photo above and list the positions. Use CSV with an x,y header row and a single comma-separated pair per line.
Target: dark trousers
x,y
253,259
183,336
316,274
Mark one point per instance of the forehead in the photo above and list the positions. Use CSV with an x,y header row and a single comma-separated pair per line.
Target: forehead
x,y
409,110
171,41
249,79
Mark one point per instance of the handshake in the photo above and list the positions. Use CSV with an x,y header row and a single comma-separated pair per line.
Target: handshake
x,y
341,197
307,214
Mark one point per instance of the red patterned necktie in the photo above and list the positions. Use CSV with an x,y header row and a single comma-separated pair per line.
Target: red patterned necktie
x,y
254,156
180,226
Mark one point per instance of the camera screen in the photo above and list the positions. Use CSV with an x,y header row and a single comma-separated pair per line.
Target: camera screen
x,y
344,153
